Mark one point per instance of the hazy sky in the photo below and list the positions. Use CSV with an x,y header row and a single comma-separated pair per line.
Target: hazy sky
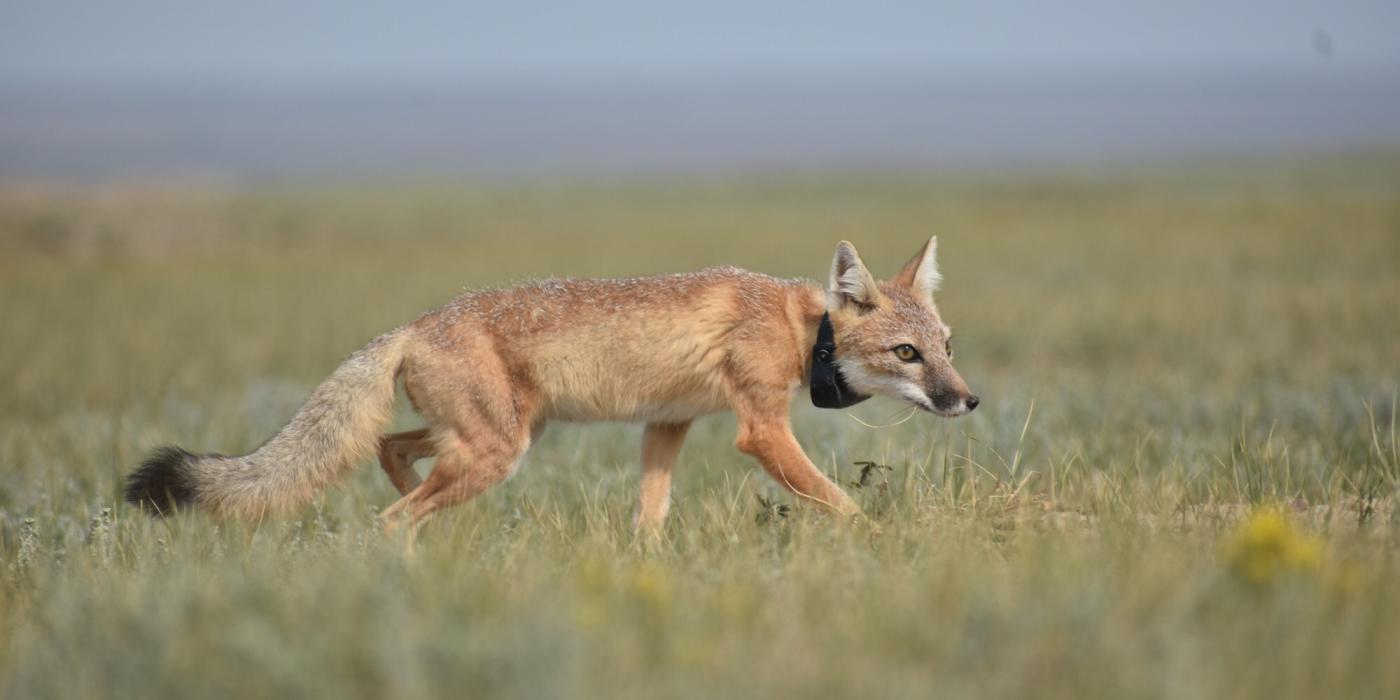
x,y
252,88
357,42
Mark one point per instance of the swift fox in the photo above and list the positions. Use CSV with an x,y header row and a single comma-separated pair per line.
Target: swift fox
x,y
489,369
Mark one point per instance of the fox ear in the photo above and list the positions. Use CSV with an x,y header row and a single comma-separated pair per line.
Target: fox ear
x,y
920,275
850,282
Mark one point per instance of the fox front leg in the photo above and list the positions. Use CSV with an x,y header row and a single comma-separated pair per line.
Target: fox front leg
x,y
771,442
660,443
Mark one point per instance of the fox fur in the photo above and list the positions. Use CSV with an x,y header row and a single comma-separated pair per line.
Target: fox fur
x,y
489,369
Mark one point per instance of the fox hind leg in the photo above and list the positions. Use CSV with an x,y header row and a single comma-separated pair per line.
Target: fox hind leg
x,y
463,470
399,451
480,419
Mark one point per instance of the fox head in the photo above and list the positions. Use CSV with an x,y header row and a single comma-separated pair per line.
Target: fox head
x,y
890,340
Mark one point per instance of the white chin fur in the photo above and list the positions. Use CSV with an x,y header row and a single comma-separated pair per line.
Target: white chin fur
x,y
865,383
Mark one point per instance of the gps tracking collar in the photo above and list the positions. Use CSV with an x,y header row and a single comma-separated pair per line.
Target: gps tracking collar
x,y
829,388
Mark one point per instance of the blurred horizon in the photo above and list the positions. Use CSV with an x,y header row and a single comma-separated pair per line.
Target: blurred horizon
x,y
260,90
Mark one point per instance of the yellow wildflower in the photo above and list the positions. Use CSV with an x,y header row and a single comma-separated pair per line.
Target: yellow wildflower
x,y
1267,545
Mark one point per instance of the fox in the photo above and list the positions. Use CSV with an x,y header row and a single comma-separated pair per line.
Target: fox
x,y
489,369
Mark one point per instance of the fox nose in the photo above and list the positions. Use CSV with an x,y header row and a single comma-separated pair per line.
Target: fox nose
x,y
972,402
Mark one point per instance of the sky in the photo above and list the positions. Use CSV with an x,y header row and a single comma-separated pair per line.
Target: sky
x,y
357,42
309,88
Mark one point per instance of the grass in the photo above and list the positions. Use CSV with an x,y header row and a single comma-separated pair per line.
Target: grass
x,y
1180,483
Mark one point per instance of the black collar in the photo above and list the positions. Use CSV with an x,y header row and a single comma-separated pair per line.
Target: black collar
x,y
829,388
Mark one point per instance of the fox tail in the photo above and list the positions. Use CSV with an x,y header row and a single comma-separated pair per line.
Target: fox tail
x,y
337,427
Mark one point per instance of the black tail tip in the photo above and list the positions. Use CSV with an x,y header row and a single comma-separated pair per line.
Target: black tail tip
x,y
162,483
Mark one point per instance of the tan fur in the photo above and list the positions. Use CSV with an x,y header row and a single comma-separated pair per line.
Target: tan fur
x,y
335,429
488,370
661,442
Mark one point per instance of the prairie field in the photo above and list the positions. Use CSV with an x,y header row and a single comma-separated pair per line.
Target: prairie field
x,y
1180,483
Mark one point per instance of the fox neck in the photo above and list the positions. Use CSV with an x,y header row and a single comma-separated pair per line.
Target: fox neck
x,y
810,305
825,380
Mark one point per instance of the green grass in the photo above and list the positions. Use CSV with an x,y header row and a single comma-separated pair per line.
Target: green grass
x,y
1159,354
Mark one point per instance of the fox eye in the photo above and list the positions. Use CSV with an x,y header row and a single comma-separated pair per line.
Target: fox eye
x,y
948,349
907,353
